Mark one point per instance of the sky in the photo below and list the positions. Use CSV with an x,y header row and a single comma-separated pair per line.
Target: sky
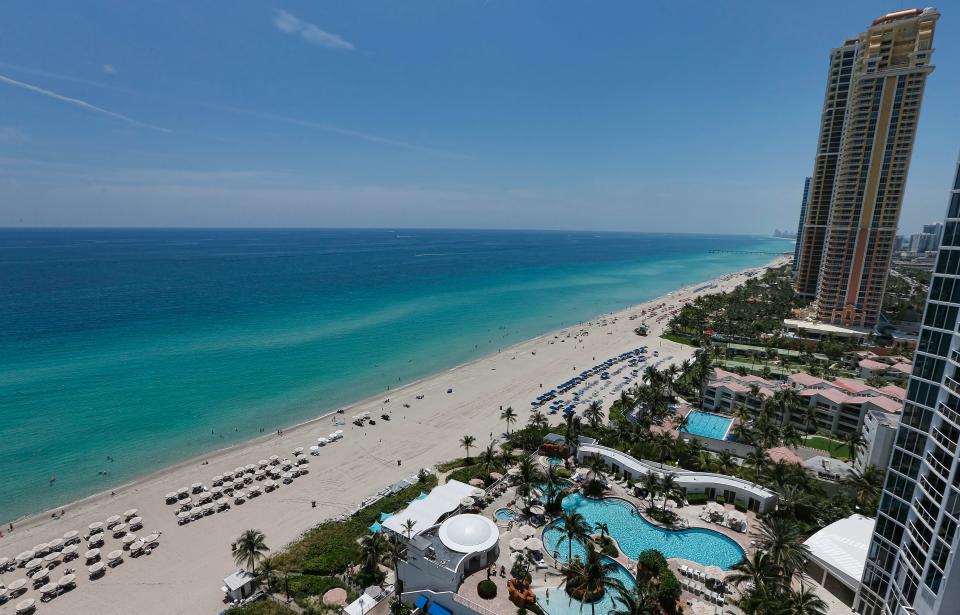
x,y
554,114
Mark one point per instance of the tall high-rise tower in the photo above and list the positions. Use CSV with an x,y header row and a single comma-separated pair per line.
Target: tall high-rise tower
x,y
912,567
867,131
803,214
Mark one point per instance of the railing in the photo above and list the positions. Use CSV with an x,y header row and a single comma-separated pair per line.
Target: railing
x,y
470,604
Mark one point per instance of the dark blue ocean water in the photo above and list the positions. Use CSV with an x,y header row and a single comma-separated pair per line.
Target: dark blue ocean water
x,y
138,343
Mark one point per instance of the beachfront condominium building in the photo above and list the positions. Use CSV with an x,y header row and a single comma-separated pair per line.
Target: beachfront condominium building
x,y
874,88
803,214
911,564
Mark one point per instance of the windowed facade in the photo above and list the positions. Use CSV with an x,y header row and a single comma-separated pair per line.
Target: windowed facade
x,y
910,568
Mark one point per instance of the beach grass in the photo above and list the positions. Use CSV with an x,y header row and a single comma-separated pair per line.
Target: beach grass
x,y
261,607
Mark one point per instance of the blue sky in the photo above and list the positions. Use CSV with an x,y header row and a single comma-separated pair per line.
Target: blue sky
x,y
698,117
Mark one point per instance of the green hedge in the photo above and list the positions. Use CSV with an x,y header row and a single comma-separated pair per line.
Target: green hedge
x,y
308,585
468,473
740,505
261,607
487,589
721,499
696,498
564,473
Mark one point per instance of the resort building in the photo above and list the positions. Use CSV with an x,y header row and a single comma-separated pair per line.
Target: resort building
x,y
841,406
887,371
911,565
837,556
755,497
871,108
879,429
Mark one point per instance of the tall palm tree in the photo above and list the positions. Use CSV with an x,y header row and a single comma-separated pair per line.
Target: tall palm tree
x,y
594,414
467,443
597,466
758,459
602,527
537,420
866,485
551,477
651,482
805,601
753,571
528,476
592,577
267,574
855,443
670,489
372,549
781,539
571,433
575,529
509,416
408,527
249,549
397,550
663,445
725,462
810,418
488,459
641,601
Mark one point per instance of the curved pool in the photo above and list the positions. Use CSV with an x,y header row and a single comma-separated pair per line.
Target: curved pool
x,y
561,603
635,534
503,514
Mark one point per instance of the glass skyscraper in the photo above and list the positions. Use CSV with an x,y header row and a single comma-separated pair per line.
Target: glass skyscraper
x,y
803,214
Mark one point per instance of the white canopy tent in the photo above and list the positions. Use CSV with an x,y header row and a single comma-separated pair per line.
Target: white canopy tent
x,y
426,512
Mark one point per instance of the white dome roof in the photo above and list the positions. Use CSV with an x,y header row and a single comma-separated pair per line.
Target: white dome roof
x,y
469,533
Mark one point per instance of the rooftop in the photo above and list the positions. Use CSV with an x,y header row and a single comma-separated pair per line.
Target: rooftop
x,y
842,547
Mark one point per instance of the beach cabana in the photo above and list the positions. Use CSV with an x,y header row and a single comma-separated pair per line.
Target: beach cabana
x,y
119,530
254,491
95,540
114,557
50,558
25,556
217,480
96,570
69,552
375,527
136,546
71,536
26,606
263,463
130,512
67,581
128,539
274,460
55,545
92,555
40,549
239,585
196,487
15,587
149,539
527,531
40,576
34,563
113,520
249,468
49,591
533,544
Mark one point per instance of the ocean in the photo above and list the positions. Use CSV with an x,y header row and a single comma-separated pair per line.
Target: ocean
x,y
124,351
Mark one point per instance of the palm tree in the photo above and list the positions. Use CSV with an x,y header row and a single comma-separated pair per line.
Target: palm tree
x,y
552,479
806,602
866,485
781,539
372,549
602,527
725,462
855,443
575,529
758,459
810,418
597,466
537,420
641,601
267,572
408,527
571,433
397,550
651,482
594,414
592,577
663,445
670,488
509,416
754,570
467,443
528,477
488,460
249,549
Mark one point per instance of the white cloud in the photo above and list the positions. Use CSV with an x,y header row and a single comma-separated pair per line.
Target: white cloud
x,y
311,33
78,103
109,69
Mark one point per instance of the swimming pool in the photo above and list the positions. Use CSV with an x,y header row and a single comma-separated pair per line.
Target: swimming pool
x,y
555,461
561,603
708,425
635,534
503,514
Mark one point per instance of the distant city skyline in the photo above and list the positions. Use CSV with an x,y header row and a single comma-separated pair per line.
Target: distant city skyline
x,y
483,114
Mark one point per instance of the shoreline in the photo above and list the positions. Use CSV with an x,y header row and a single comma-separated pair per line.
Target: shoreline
x,y
30,518
346,472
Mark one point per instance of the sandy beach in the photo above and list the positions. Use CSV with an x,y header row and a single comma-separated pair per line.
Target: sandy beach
x,y
185,573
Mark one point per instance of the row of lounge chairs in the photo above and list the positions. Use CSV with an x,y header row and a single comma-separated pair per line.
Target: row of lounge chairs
x,y
699,589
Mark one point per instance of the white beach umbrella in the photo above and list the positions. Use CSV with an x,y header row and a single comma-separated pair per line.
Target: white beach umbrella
x,y
314,449
286,476
227,475
170,496
136,545
25,605
467,501
537,510
114,555
196,487
95,539
255,489
40,548
263,463
298,450
120,529
533,544
96,568
40,575
269,483
183,515
332,437
238,470
322,441
69,550
66,580
217,479
4,562
34,563
182,491
513,472
517,544
25,556
91,554
71,535
130,512
527,530
249,468
112,520
228,484
49,558
259,474
274,459
149,538
49,588
477,493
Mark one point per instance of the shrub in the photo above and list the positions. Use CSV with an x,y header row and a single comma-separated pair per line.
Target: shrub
x,y
309,585
721,499
564,473
468,473
669,590
653,560
696,498
260,607
740,505
487,589
606,546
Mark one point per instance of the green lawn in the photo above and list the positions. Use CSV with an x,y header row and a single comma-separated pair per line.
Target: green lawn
x,y
834,447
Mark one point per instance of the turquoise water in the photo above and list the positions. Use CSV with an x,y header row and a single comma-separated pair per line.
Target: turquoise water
x,y
503,514
152,346
634,534
708,425
555,461
560,603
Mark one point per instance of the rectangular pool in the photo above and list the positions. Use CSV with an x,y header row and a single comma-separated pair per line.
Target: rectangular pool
x,y
708,425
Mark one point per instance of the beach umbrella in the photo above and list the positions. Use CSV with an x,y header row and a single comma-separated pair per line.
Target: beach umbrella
x,y
55,544
52,557
239,496
114,555
322,441
25,605
171,496
537,510
40,575
227,475
149,538
314,449
128,538
204,497
263,463
182,491
4,562
48,588
69,549
269,483
95,539
40,548
254,489
66,580
517,544
112,520
131,512
96,568
476,482
25,556
136,545
259,474
119,529
527,530
477,493
183,515
216,491
467,501
18,584
249,467
196,487
217,479
34,563
533,544
238,470
3,594
91,554
72,534
274,459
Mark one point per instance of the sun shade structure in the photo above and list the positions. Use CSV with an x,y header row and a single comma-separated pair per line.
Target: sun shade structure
x,y
426,512
841,548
